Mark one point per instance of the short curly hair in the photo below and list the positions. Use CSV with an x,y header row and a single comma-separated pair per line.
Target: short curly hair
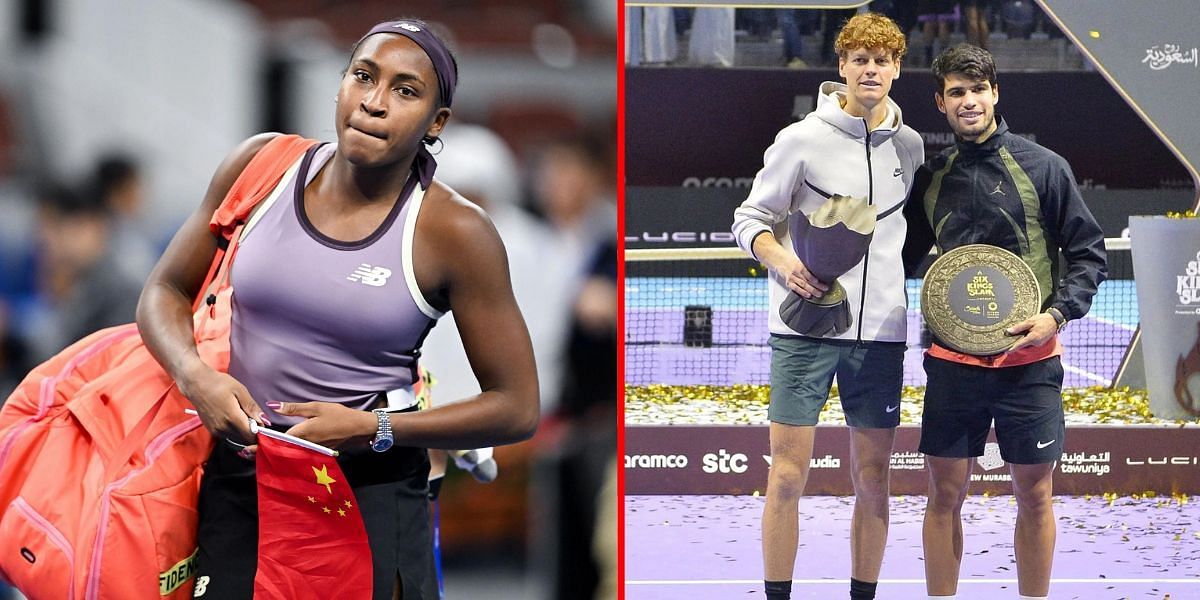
x,y
871,30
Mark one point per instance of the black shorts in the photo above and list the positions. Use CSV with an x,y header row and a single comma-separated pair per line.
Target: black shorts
x,y
1026,402
390,488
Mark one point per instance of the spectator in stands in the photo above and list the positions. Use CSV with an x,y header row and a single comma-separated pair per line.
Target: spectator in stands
x,y
589,391
18,254
604,548
478,164
832,21
996,188
711,40
758,23
794,24
81,279
117,182
809,161
573,185
903,12
975,14
573,189
936,17
651,36
14,360
587,414
1019,17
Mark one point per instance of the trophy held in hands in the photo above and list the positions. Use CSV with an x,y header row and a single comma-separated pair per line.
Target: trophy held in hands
x,y
972,294
829,242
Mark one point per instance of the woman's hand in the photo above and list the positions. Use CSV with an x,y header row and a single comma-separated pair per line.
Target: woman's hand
x,y
165,313
329,424
224,405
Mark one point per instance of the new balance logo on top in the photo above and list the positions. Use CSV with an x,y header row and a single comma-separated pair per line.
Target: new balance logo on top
x,y
368,275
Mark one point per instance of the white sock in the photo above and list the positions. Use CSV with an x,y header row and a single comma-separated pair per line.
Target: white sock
x,y
1034,597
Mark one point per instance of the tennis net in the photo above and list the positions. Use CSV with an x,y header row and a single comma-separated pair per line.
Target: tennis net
x,y
699,317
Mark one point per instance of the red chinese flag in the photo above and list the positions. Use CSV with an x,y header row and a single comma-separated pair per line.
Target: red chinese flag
x,y
311,539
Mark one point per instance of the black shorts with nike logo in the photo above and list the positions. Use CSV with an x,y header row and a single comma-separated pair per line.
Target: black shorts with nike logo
x,y
961,401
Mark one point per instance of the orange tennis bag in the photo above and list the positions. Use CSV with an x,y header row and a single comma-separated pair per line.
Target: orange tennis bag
x,y
99,464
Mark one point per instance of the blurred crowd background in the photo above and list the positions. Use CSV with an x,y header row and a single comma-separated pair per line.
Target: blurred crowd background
x,y
1016,31
114,114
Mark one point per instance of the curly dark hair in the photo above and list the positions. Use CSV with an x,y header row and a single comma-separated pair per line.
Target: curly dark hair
x,y
966,60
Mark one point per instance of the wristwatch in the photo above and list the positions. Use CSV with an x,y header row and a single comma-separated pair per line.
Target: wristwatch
x,y
1060,320
383,435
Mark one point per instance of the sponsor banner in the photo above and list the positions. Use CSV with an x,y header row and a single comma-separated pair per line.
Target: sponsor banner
x,y
680,137
737,460
673,460
662,217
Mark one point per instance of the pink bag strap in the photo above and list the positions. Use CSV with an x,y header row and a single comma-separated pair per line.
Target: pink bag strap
x,y
254,184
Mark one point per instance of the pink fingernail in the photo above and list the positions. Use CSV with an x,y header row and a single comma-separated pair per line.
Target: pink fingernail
x,y
263,417
273,405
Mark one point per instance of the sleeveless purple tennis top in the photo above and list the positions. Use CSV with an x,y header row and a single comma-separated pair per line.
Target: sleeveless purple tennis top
x,y
318,319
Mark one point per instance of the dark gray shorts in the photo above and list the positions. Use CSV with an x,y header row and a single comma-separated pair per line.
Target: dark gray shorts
x,y
869,376
961,401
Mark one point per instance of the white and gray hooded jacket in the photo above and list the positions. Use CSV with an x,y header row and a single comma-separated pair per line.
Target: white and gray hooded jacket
x,y
831,152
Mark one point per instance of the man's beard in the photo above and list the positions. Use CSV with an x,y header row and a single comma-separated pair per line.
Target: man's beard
x,y
978,130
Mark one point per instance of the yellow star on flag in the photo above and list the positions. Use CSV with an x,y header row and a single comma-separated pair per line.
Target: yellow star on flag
x,y
311,499
323,477
347,503
341,513
326,509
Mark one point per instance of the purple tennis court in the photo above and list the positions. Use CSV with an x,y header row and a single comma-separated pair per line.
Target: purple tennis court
x,y
708,548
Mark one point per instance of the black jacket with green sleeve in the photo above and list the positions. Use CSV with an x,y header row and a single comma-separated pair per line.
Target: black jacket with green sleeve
x,y
1012,193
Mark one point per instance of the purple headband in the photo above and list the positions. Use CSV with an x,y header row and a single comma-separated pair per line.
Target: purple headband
x,y
443,66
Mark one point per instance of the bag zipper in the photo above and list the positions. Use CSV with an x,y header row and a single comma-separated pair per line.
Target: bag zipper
x,y
53,534
862,300
156,448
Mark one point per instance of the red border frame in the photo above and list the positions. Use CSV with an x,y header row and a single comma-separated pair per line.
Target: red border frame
x,y
621,299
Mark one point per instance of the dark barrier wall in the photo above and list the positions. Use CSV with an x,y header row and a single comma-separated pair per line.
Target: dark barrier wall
x,y
734,460
679,217
709,127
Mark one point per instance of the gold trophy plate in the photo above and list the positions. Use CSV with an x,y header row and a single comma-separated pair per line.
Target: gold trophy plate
x,y
973,293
